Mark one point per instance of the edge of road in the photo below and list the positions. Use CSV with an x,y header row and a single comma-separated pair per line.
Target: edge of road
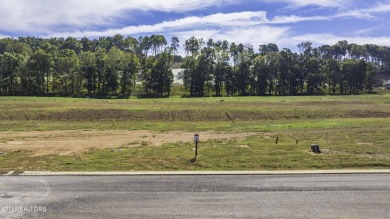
x,y
142,173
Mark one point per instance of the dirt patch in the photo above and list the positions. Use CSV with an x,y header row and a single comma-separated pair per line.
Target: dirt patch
x,y
327,150
374,156
364,143
42,143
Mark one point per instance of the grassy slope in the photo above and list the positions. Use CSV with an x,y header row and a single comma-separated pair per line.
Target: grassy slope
x,y
352,131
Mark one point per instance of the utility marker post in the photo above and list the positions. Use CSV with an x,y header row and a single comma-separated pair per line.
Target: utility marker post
x,y
196,139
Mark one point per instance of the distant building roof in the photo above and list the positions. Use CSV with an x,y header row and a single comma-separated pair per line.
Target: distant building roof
x,y
177,65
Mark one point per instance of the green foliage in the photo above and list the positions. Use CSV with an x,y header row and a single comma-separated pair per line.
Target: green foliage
x,y
157,75
89,70
11,65
129,74
372,70
109,66
67,72
261,74
354,72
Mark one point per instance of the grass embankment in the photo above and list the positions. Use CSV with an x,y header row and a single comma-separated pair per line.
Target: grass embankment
x,y
352,132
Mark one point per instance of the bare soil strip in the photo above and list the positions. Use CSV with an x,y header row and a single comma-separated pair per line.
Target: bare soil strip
x,y
42,143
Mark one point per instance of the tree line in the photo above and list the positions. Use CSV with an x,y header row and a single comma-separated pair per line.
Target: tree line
x,y
212,68
110,66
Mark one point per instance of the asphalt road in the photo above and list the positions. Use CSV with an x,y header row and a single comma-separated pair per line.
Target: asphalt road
x,y
199,196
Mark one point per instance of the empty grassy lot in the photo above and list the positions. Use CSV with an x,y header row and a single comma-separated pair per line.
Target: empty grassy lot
x,y
237,133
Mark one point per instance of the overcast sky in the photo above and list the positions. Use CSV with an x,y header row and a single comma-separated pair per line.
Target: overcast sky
x,y
284,22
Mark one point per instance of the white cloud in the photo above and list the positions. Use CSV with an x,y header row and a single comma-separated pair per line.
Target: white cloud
x,y
366,13
379,8
243,20
218,21
279,35
321,3
46,15
41,18
331,39
81,17
296,19
4,36
354,14
255,35
365,31
242,27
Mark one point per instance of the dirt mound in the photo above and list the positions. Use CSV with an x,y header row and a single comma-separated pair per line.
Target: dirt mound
x,y
190,115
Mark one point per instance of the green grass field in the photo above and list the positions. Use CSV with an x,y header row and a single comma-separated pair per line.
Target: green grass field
x,y
352,131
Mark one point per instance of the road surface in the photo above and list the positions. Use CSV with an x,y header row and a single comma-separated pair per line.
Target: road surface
x,y
196,196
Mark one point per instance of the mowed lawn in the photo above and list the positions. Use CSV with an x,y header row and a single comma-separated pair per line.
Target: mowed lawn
x,y
156,134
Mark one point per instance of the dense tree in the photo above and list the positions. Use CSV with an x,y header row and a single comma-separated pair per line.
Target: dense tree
x,y
340,49
101,65
157,75
333,74
40,64
174,45
193,46
128,75
271,47
189,66
354,72
4,43
72,44
145,45
114,66
284,71
242,73
68,78
221,56
272,63
261,74
326,52
314,77
10,63
203,70
110,65
131,44
197,74
306,49
89,70
193,78
157,43
371,71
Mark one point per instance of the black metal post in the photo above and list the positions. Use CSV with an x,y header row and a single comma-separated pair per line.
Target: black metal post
x,y
196,148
